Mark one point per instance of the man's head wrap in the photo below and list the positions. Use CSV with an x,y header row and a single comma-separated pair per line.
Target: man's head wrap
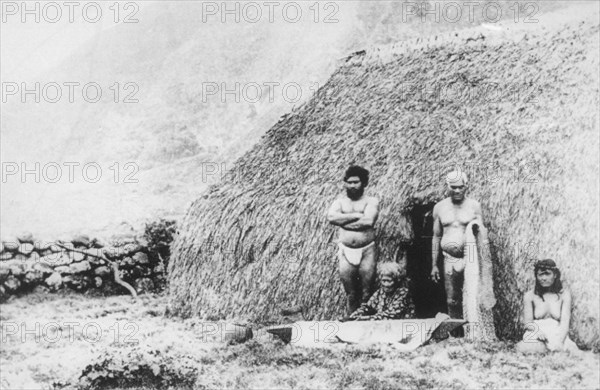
x,y
457,175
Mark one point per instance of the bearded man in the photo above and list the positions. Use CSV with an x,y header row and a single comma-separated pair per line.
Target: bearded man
x,y
355,214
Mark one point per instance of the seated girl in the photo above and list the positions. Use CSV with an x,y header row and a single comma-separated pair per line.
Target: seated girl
x,y
391,301
546,312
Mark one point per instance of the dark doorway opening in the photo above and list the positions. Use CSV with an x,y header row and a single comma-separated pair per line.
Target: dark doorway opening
x,y
429,297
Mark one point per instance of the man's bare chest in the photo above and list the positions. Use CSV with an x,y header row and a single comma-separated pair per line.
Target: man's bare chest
x,y
453,215
357,206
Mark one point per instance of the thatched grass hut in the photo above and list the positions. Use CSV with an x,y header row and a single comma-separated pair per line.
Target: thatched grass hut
x,y
519,112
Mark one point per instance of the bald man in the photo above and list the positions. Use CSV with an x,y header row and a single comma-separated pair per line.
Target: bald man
x,y
450,219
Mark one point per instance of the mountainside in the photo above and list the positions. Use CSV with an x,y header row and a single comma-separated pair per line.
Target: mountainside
x,y
180,131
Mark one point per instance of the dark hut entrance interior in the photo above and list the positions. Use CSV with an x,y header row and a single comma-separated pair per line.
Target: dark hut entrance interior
x,y
429,297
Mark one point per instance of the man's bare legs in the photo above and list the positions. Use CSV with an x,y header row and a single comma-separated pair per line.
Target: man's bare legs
x,y
358,281
351,282
367,270
453,282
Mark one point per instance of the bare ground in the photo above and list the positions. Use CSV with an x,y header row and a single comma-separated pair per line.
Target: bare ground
x,y
49,341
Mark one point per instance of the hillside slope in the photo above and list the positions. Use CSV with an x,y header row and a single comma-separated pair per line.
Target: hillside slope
x,y
173,135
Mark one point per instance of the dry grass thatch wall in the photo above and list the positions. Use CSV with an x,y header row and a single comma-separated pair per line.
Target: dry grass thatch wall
x,y
260,241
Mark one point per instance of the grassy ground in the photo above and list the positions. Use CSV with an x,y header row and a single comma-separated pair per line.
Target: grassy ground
x,y
70,341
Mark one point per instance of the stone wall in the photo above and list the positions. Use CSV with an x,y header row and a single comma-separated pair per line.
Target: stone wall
x,y
80,264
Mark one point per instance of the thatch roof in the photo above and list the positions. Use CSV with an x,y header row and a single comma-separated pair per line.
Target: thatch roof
x,y
260,240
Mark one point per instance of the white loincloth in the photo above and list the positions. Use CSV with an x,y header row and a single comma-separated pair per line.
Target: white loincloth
x,y
550,327
452,263
353,255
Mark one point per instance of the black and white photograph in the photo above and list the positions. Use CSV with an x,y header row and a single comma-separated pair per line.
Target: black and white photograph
x,y
299,194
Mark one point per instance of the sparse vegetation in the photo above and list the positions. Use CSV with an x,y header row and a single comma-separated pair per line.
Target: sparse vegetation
x,y
174,354
159,235
137,367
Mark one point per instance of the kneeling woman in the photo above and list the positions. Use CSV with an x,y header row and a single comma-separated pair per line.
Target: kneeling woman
x,y
391,301
547,312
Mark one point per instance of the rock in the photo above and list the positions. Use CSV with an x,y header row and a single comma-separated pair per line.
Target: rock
x,y
143,285
54,281
98,282
77,256
98,243
159,269
81,267
102,271
16,268
55,248
12,284
4,273
20,257
42,246
34,258
26,249
141,258
81,240
63,269
29,265
33,277
56,259
126,263
44,268
25,237
130,249
45,252
6,256
11,245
